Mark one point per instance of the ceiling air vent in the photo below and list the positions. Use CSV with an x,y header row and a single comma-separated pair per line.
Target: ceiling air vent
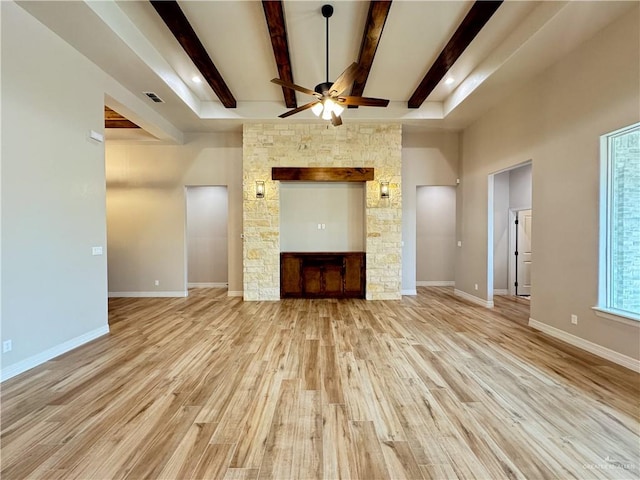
x,y
154,97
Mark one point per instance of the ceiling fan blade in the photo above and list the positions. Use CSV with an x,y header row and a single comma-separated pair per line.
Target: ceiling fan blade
x,y
346,79
304,107
293,86
364,101
336,120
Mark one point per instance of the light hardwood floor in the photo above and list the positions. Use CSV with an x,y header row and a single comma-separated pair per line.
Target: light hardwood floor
x,y
215,388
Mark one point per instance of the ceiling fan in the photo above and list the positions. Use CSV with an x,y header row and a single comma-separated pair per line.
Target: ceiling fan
x,y
329,99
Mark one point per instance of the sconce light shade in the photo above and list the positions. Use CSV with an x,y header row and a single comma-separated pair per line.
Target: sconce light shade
x,y
259,189
384,189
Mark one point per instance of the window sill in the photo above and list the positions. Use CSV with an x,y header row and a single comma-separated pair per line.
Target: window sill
x,y
617,316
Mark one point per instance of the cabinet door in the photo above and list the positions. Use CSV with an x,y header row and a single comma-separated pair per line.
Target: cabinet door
x,y
312,280
333,283
290,279
354,275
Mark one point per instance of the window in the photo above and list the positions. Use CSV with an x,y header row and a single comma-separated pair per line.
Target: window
x,y
620,223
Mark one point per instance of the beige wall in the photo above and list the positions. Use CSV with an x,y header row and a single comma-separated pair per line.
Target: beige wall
x,y
146,210
338,206
53,187
556,121
308,145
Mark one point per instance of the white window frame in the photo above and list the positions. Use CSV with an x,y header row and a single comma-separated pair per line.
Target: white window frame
x,y
603,309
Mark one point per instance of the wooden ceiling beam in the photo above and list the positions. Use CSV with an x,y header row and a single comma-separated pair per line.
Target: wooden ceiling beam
x,y
478,16
113,119
174,18
376,18
274,15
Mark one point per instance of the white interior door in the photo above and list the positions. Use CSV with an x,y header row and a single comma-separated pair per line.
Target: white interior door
x,y
523,253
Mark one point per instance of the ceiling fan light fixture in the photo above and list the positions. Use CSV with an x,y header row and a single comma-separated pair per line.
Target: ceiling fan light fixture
x,y
317,109
329,102
329,106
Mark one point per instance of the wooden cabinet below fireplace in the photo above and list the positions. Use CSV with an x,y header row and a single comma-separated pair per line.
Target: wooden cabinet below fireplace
x,y
322,275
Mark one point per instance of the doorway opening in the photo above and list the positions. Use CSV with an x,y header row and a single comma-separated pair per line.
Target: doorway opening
x,y
509,249
435,236
207,236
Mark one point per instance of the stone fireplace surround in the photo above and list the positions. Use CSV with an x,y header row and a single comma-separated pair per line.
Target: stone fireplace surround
x,y
368,145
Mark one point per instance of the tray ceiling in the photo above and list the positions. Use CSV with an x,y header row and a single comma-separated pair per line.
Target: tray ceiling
x,y
131,42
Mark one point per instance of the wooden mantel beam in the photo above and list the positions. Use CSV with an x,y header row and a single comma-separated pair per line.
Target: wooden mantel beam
x,y
322,174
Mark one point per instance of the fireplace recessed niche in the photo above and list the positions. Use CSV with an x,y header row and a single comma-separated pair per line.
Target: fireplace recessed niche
x,y
322,232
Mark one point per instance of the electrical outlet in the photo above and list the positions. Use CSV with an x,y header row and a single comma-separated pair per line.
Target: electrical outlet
x,y
156,283
7,346
475,286
574,319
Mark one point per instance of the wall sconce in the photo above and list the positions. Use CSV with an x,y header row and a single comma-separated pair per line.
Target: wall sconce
x,y
259,189
384,189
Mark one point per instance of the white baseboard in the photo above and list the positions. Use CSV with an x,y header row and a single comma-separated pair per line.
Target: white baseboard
x,y
408,292
235,293
38,359
599,350
477,300
207,285
435,283
500,291
148,294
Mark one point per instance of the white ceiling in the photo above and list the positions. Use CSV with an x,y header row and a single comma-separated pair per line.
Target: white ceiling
x,y
129,41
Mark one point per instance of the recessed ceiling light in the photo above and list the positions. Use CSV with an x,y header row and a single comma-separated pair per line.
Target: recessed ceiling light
x,y
196,79
449,80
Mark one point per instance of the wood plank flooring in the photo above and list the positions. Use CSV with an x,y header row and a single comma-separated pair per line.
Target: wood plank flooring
x,y
427,387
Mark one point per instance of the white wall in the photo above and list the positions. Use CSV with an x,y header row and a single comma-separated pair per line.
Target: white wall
x,y
338,206
435,235
556,120
427,159
146,210
207,252
53,195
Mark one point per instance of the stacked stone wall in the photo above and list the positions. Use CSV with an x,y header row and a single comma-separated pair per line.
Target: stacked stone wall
x,y
318,145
